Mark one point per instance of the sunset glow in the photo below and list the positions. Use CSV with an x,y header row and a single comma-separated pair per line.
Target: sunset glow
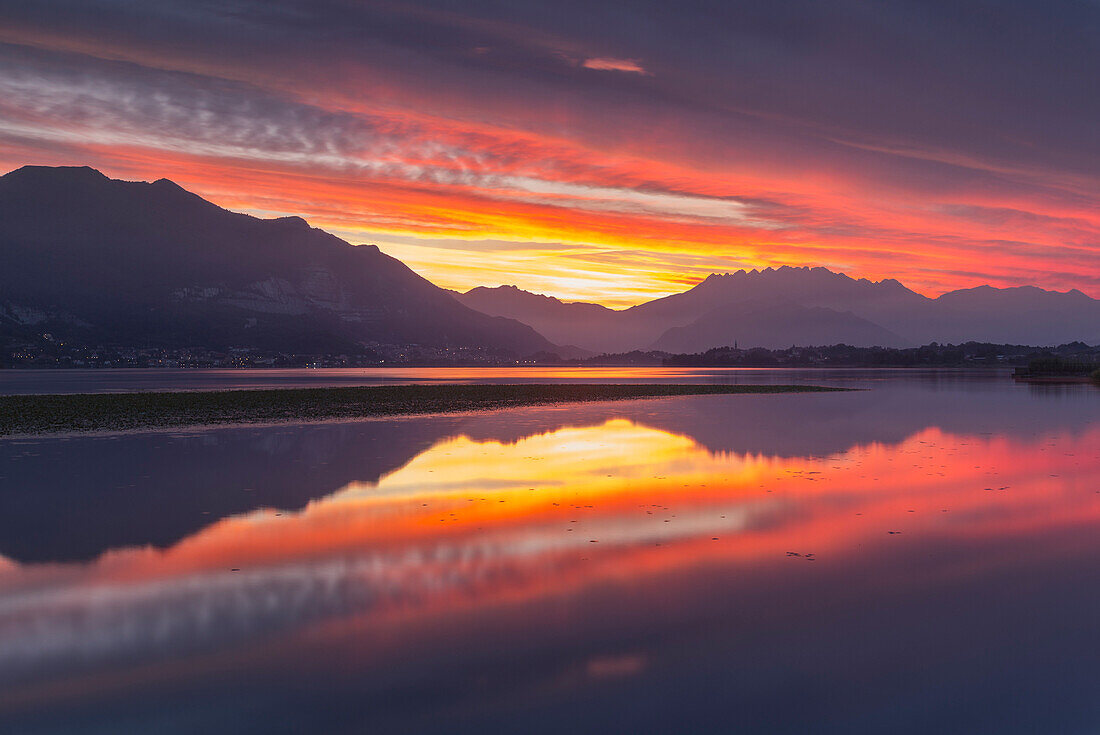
x,y
601,156
474,526
451,368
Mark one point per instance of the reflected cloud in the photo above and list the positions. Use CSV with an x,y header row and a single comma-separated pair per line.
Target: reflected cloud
x,y
67,499
471,518
517,530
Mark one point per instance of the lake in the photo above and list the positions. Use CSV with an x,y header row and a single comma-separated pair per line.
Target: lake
x,y
919,556
25,382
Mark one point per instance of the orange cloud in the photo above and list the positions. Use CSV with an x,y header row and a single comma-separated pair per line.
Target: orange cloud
x,y
585,199
606,63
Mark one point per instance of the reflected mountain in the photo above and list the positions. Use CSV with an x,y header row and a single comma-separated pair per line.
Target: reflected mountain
x,y
528,565
71,499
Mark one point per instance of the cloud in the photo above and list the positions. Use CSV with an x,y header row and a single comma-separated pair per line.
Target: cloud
x,y
921,142
605,63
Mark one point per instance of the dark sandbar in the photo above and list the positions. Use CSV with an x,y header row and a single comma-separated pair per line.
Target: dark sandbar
x,y
47,414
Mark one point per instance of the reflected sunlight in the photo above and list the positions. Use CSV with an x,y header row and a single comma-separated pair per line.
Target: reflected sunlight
x,y
475,524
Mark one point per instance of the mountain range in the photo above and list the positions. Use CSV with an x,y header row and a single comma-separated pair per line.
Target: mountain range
x,y
780,307
102,261
134,263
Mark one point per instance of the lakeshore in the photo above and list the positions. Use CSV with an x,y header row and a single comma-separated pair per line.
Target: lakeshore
x,y
85,412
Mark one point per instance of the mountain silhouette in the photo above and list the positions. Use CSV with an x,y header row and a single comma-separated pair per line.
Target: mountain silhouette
x,y
760,308
151,264
559,321
761,323
100,261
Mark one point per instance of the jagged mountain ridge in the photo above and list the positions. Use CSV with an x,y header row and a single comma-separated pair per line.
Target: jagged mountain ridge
x,y
716,309
151,264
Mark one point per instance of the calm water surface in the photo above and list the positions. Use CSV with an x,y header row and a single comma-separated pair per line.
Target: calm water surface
x,y
14,382
919,557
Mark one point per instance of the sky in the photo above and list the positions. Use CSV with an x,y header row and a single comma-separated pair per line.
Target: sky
x,y
601,151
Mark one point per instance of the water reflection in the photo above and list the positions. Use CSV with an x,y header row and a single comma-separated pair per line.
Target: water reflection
x,y
902,560
31,381
72,499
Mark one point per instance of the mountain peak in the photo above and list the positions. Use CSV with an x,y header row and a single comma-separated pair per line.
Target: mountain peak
x,y
78,243
514,293
817,274
987,292
55,173
293,221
